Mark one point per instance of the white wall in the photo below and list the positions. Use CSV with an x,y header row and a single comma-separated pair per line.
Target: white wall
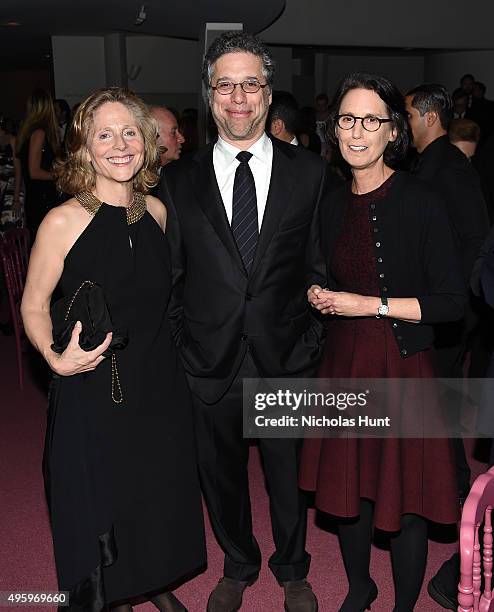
x,y
167,70
283,76
448,68
78,66
166,65
405,72
161,70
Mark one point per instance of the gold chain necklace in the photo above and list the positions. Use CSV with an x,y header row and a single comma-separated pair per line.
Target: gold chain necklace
x,y
134,212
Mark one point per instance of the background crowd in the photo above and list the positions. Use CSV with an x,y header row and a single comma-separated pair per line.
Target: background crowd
x,y
29,147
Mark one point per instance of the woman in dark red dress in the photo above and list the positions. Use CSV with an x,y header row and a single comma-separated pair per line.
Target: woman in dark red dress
x,y
392,274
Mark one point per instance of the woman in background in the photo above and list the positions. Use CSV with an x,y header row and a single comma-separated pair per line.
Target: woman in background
x,y
38,145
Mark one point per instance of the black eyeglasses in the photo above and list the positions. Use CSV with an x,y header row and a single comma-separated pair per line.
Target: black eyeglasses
x,y
227,87
369,123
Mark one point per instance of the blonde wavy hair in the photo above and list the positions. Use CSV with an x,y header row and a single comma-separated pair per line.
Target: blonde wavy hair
x,y
76,173
40,115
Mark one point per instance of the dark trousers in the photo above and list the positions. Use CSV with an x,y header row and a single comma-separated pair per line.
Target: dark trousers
x,y
452,342
223,456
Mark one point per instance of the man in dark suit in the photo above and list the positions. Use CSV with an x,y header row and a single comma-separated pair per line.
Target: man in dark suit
x,y
283,117
243,236
446,169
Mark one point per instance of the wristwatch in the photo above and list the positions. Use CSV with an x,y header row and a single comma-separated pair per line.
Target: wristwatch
x,y
383,309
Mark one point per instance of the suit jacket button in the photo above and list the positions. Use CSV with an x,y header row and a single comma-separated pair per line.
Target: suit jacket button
x,y
248,297
243,336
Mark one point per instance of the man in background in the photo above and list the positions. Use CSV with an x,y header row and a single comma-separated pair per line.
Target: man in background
x,y
169,135
447,170
464,134
283,117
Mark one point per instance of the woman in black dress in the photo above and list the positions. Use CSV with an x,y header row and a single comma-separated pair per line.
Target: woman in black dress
x,y
392,273
38,145
120,469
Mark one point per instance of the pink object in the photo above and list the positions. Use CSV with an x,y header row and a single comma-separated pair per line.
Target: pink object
x,y
20,239
477,510
14,269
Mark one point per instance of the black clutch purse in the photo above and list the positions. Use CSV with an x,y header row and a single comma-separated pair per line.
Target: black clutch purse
x,y
87,305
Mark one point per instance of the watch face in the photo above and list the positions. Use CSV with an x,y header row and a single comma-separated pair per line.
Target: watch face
x,y
383,310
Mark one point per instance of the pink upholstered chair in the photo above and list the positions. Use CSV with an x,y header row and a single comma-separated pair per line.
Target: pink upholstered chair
x,y
474,556
20,239
11,264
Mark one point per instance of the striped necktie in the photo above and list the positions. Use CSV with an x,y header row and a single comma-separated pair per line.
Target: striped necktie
x,y
245,227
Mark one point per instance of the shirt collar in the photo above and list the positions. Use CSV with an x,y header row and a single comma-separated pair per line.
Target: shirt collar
x,y
260,150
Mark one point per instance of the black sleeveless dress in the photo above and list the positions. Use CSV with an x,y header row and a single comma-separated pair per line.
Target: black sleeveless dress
x,y
40,196
121,478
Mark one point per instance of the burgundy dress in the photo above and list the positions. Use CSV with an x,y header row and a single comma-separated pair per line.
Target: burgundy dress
x,y
400,475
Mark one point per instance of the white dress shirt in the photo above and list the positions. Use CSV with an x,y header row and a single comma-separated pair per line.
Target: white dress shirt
x,y
225,164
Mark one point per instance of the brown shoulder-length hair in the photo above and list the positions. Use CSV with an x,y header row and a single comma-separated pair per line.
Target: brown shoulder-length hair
x,y
76,173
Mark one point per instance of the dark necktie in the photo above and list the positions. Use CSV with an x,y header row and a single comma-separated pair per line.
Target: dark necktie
x,y
245,227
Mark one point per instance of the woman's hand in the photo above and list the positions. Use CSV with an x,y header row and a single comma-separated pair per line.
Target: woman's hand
x,y
342,303
355,305
312,294
74,360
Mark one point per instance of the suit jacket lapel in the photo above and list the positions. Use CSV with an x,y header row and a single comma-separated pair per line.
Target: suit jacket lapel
x,y
280,189
209,197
